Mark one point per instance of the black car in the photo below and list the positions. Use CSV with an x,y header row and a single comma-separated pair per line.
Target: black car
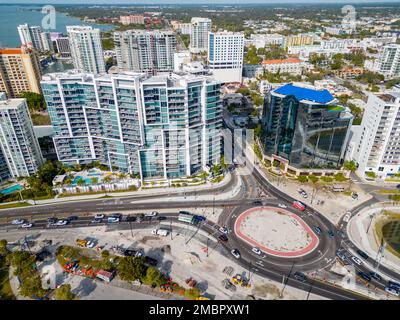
x,y
150,261
52,220
375,276
365,276
223,237
42,255
394,285
72,218
300,276
362,254
398,186
258,203
160,218
130,253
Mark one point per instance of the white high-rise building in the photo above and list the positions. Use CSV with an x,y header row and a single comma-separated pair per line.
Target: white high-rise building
x,y
19,148
162,126
200,27
225,55
389,61
34,37
86,49
145,51
377,142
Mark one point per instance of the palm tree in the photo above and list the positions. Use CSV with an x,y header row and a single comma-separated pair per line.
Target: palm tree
x,y
314,180
350,166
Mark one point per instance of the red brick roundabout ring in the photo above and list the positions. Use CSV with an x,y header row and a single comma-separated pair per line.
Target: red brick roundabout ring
x,y
283,254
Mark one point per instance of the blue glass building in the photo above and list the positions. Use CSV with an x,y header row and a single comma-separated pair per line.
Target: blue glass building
x,y
306,127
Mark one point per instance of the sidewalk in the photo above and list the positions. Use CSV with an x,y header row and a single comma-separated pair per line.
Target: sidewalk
x,y
142,192
211,196
335,204
357,233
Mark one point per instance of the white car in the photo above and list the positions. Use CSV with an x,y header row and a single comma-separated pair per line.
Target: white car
x,y
356,260
60,223
18,221
347,216
392,291
90,244
281,205
113,219
27,225
256,250
99,216
151,214
223,230
235,253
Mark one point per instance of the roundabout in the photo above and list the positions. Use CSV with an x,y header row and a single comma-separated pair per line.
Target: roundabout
x,y
276,232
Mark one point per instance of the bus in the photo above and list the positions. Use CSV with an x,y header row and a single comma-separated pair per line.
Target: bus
x,y
187,217
299,205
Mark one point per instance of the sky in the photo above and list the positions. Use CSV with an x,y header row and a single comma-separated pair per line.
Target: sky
x,y
152,2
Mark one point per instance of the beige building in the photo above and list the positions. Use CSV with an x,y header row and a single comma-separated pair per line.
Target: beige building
x,y
299,40
19,71
131,19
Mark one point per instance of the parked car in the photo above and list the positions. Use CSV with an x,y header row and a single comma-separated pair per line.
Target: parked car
x,y
362,254
356,260
281,205
96,220
60,223
256,250
52,220
354,196
72,218
394,285
90,244
235,253
99,216
151,214
112,219
18,221
392,291
300,276
26,225
376,276
365,276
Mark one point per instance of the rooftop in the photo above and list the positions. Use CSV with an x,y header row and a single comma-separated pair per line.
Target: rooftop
x,y
318,96
280,61
11,103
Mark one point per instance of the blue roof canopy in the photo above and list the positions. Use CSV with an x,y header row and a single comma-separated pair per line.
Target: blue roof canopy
x,y
319,96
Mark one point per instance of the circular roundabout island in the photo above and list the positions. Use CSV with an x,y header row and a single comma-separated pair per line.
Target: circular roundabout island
x,y
276,232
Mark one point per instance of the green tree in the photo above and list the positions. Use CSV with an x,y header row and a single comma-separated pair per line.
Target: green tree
x,y
32,286
131,268
302,179
34,100
153,277
64,293
340,177
3,247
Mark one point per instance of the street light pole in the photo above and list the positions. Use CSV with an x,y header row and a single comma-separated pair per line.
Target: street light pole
x,y
287,279
370,222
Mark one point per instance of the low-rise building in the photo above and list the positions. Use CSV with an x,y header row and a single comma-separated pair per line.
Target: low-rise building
x,y
291,65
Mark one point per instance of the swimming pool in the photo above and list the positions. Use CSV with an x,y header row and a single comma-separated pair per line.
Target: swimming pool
x,y
79,178
11,189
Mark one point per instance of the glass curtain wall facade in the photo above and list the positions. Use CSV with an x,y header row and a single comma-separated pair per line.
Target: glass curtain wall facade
x,y
163,126
309,133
